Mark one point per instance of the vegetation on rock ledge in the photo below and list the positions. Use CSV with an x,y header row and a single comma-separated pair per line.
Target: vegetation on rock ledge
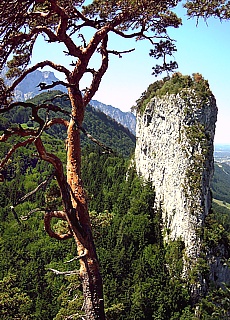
x,y
173,85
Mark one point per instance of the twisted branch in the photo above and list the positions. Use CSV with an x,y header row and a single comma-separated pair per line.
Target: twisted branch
x,y
97,76
38,65
14,148
49,215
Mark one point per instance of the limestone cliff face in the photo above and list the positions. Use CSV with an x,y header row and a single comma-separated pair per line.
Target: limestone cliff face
x,y
174,150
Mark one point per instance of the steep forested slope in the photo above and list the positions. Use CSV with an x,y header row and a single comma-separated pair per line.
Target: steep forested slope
x,y
141,274
221,182
96,123
128,240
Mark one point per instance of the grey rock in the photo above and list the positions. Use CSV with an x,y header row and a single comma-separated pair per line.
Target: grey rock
x,y
174,150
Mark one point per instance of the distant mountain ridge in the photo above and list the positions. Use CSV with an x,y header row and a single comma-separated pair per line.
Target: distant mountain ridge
x,y
127,119
28,89
102,127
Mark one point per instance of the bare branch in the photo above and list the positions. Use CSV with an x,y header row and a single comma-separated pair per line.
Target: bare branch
x,y
16,104
15,40
26,217
17,131
141,36
64,95
43,184
83,39
48,107
119,53
52,107
64,273
84,254
62,28
49,157
102,145
43,125
14,148
42,64
45,86
99,74
70,213
57,121
91,70
131,35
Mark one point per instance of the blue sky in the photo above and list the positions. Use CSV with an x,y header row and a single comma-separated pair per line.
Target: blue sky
x,y
204,48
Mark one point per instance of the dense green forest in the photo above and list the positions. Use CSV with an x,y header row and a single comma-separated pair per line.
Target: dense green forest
x,y
221,182
141,274
221,193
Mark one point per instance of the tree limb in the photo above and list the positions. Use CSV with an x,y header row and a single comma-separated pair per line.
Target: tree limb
x,y
62,28
102,145
16,104
15,40
64,273
70,212
97,76
84,254
64,95
43,184
131,35
57,121
45,86
17,131
119,53
14,148
47,221
41,64
26,217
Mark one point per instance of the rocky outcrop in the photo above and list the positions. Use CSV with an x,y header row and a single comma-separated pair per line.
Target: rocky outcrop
x,y
174,150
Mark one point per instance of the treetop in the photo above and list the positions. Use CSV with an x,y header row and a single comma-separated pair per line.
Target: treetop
x,y
21,22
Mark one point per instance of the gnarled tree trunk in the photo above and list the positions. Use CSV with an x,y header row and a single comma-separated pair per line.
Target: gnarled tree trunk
x,y
89,267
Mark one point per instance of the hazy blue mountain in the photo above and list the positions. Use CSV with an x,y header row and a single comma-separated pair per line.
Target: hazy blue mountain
x,y
127,119
28,89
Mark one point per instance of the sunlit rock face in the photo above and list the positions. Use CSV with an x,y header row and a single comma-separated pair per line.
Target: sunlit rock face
x,y
174,150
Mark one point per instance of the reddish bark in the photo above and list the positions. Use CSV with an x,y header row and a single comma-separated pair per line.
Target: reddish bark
x,y
89,267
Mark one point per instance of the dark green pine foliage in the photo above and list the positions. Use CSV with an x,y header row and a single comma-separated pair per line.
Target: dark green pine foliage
x,y
14,304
